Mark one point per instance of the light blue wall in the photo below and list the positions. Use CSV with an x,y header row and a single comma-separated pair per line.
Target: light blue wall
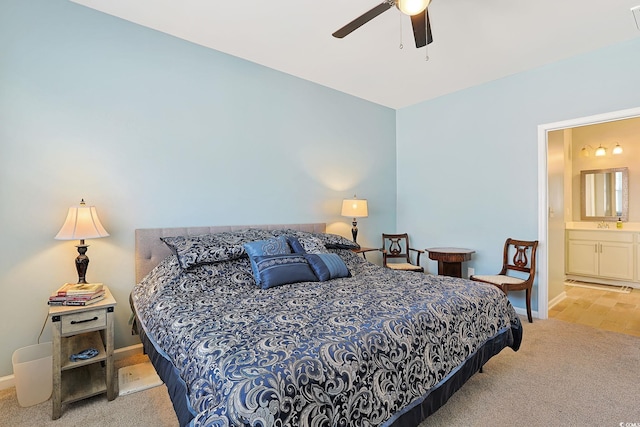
x,y
156,131
467,162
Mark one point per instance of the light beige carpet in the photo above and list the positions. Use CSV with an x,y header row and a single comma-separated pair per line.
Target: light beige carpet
x,y
150,407
563,375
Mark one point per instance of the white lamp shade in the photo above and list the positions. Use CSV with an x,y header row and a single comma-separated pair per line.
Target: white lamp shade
x,y
617,149
412,7
356,208
601,151
82,223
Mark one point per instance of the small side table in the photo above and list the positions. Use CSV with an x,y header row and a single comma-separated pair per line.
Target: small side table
x,y
76,328
450,260
364,251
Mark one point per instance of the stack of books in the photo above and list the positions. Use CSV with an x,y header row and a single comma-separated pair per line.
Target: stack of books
x,y
77,294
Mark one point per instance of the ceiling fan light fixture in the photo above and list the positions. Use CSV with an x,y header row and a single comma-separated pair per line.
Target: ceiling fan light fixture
x,y
412,7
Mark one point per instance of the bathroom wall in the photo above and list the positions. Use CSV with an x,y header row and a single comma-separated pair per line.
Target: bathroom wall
x,y
627,134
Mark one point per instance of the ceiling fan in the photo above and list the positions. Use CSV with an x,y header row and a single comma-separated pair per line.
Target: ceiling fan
x,y
416,9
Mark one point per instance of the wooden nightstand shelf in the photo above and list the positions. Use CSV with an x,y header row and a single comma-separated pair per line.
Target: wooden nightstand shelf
x,y
77,328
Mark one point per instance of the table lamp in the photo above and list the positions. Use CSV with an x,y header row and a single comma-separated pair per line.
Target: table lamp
x,y
82,223
355,208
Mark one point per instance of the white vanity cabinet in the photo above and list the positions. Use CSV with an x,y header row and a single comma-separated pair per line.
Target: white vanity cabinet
x,y
601,254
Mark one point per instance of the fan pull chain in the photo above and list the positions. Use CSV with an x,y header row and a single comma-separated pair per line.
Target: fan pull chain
x,y
401,45
426,47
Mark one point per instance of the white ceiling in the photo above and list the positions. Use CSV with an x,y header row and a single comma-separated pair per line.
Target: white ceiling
x,y
474,41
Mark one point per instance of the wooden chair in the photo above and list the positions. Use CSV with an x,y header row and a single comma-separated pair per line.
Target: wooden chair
x,y
396,247
523,263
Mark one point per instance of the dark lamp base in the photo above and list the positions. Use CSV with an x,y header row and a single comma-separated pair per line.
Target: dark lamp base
x,y
82,262
354,230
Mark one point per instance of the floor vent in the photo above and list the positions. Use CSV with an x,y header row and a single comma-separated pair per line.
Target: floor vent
x,y
610,288
138,377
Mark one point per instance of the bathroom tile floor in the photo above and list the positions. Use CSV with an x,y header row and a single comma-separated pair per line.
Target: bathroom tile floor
x,y
603,309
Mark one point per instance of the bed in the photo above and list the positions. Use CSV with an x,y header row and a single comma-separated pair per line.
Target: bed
x,y
242,334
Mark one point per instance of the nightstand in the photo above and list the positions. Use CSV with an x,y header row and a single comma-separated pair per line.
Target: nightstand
x,y
76,328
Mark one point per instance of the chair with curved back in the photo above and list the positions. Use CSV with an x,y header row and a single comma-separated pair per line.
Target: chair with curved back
x,y
518,272
396,253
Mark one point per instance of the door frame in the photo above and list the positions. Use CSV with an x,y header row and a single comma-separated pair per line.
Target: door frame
x,y
543,200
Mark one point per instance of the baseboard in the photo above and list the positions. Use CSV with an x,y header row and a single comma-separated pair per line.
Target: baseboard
x,y
118,354
124,352
534,314
557,299
523,312
7,382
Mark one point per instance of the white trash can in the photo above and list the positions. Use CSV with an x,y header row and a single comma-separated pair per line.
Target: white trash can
x,y
33,372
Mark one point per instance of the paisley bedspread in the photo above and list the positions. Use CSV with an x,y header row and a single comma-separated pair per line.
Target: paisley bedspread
x,y
352,351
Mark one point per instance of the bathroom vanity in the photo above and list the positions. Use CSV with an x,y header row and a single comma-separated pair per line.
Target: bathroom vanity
x,y
603,247
603,256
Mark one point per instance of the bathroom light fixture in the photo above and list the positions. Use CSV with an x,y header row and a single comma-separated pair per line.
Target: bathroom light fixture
x,y
82,223
355,208
412,7
601,151
584,152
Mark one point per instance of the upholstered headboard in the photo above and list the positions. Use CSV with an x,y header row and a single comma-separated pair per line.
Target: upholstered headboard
x,y
150,250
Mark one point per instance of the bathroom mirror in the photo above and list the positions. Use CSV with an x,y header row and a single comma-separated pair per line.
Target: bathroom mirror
x,y
604,194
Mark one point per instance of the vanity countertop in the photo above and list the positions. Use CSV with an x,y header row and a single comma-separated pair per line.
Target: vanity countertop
x,y
597,226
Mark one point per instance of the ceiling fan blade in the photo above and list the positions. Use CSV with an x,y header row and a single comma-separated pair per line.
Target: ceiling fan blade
x,y
361,20
422,29
429,35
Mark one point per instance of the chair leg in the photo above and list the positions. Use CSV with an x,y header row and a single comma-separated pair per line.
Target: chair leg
x,y
529,316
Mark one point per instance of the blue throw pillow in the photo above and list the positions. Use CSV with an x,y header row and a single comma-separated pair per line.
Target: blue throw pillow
x,y
327,266
276,270
275,246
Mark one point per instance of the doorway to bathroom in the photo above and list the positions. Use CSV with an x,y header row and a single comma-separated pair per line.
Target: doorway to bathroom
x,y
556,206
